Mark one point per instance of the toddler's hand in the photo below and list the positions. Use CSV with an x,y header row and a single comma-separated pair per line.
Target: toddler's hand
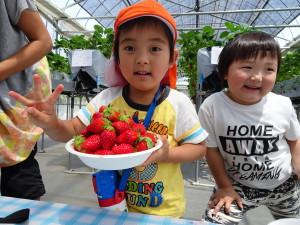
x,y
40,110
159,155
223,198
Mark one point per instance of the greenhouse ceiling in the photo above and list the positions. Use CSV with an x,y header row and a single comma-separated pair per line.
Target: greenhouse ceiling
x,y
277,17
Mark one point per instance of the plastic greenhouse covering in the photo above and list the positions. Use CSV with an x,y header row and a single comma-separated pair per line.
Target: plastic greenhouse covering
x,y
271,16
111,8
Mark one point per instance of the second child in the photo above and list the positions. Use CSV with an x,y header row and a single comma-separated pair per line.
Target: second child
x,y
253,148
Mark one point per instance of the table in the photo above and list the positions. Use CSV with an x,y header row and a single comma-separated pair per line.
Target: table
x,y
45,213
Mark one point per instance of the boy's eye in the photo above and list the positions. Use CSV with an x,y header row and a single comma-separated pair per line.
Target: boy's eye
x,y
129,48
155,49
247,67
270,69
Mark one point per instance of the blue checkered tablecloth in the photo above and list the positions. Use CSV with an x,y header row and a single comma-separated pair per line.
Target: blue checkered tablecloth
x,y
46,213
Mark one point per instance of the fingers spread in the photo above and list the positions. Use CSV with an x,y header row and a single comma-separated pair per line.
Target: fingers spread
x,y
227,207
240,204
36,116
218,206
54,96
20,98
37,88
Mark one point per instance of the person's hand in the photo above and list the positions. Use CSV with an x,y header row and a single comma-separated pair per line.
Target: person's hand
x,y
40,109
224,197
298,174
159,155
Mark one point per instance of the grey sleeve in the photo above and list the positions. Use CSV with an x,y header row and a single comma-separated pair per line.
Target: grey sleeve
x,y
15,8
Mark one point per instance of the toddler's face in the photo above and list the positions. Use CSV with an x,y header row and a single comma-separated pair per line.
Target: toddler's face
x,y
249,81
144,57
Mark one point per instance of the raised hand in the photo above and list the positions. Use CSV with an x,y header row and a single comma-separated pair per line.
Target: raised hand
x,y
41,109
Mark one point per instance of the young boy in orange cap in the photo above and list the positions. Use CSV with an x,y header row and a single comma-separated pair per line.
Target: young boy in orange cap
x,y
142,67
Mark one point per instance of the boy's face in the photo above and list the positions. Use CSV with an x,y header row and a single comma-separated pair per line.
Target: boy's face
x,y
249,81
144,57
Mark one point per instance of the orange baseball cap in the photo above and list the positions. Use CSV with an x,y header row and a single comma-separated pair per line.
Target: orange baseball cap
x,y
113,76
146,8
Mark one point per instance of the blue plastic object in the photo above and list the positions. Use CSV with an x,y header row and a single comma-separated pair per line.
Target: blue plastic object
x,y
105,183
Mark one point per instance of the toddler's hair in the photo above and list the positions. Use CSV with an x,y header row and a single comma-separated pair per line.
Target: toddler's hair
x,y
246,46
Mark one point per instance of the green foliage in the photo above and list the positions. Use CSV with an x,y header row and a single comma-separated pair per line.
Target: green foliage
x,y
58,63
102,40
192,41
290,67
234,31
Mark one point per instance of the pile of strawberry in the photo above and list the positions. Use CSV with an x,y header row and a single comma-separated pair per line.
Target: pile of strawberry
x,y
111,133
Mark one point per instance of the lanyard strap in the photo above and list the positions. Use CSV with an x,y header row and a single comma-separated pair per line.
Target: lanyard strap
x,y
124,178
151,108
146,122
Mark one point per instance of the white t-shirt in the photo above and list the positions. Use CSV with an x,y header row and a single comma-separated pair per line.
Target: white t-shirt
x,y
252,138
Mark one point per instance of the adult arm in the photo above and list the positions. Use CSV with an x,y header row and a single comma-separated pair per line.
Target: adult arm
x,y
40,44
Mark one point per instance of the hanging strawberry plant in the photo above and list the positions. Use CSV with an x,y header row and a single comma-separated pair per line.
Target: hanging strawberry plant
x,y
102,39
190,42
290,68
288,78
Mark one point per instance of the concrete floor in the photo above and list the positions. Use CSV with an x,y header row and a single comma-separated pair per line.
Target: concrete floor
x,y
68,181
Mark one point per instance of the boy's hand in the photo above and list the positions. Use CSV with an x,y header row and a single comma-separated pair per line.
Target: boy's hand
x,y
159,155
224,197
40,110
295,151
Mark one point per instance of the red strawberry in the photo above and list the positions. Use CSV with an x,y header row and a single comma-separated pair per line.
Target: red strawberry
x,y
98,125
150,135
77,142
103,152
108,138
122,149
102,108
127,119
92,143
85,133
139,127
143,143
120,126
96,115
141,146
112,113
75,148
88,152
128,137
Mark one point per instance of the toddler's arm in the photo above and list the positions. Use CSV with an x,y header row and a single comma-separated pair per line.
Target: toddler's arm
x,y
295,151
42,113
225,194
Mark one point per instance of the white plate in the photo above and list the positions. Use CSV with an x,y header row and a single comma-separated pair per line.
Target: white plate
x,y
113,162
